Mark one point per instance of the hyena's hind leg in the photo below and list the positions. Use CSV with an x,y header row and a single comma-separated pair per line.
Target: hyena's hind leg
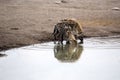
x,y
55,33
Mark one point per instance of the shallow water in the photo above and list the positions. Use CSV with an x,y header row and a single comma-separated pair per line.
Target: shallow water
x,y
96,59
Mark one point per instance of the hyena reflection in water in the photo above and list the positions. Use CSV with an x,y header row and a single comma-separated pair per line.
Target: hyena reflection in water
x,y
68,52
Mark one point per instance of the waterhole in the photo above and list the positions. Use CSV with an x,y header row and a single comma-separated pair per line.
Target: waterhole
x,y
96,59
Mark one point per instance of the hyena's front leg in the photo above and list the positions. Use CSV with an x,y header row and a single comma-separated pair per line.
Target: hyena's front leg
x,y
61,39
80,37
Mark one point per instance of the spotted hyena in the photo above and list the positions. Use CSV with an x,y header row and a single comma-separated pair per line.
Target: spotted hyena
x,y
69,30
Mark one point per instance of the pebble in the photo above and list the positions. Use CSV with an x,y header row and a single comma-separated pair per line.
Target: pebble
x,y
60,1
116,8
57,2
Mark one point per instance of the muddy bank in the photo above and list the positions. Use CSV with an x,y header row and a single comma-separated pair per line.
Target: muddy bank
x,y
28,22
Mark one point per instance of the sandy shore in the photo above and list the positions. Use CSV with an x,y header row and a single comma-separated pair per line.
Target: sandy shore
x,y
25,22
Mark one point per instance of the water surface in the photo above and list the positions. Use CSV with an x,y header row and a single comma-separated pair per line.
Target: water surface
x,y
96,59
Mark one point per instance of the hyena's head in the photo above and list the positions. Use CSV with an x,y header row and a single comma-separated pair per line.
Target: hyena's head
x,y
70,36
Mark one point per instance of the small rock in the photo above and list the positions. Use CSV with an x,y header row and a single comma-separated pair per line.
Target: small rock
x,y
14,28
63,1
116,8
60,1
57,2
2,55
